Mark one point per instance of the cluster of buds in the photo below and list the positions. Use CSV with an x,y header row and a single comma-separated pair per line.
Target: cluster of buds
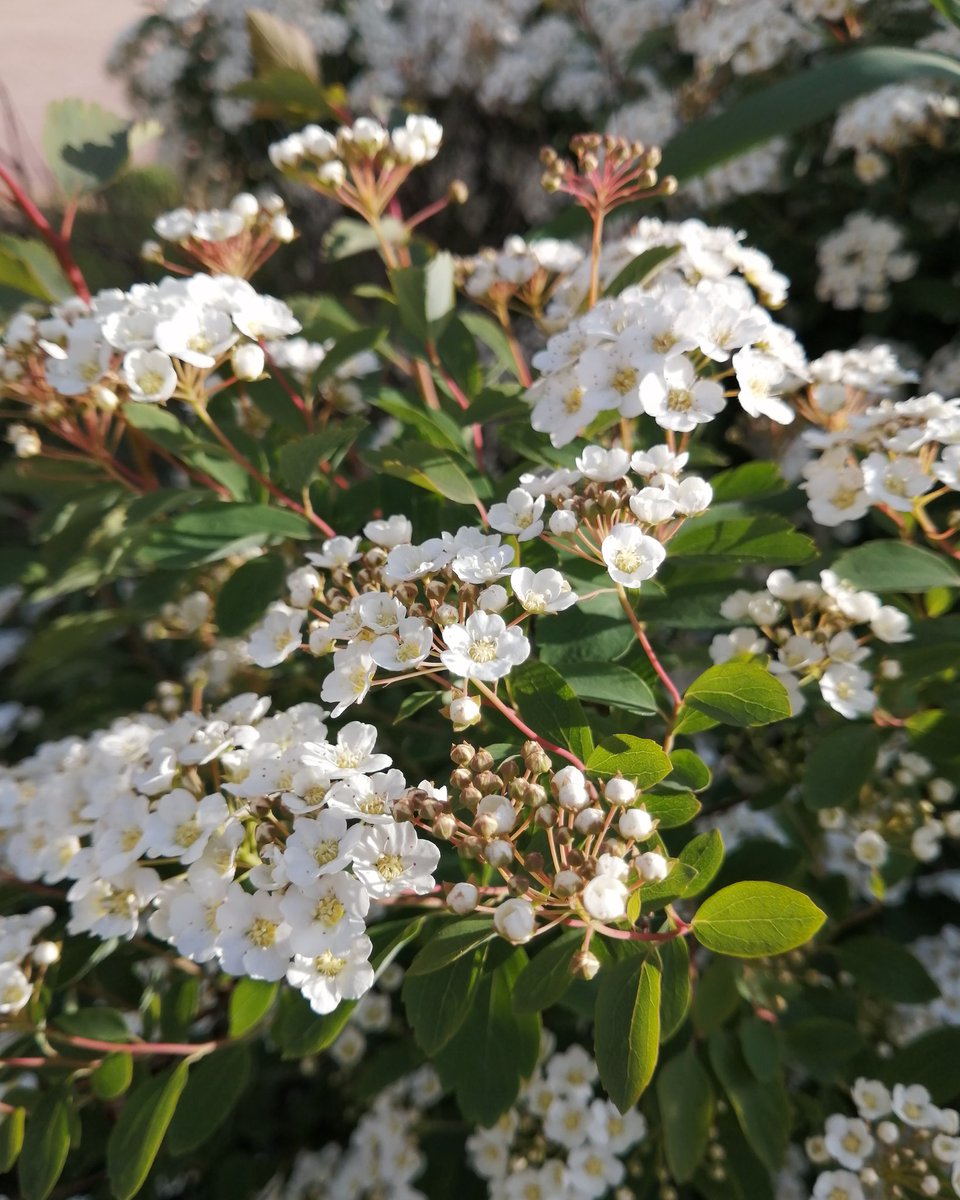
x,y
362,165
520,275
236,240
605,172
569,850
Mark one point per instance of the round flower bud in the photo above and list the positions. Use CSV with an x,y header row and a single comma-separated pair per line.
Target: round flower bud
x,y
570,789
151,251
653,867
319,641
493,599
446,614
462,898
499,853
248,361
45,954
545,816
589,821
282,228
567,883
888,1132
620,791
930,1185
245,205
584,964
562,522
515,921
605,898
464,711
636,823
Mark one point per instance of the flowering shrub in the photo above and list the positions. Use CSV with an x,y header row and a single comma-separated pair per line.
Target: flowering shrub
x,y
485,729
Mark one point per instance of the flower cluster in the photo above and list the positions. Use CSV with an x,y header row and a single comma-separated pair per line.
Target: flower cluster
x,y
887,120
810,624
899,1143
860,260
560,1138
666,348
236,240
252,841
940,955
23,959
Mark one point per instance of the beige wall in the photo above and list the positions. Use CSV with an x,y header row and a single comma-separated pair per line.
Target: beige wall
x,y
52,49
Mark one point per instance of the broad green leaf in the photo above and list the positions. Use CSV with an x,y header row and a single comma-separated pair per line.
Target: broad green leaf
x,y
135,1139
672,810
652,896
278,45
739,693
887,969
641,269
113,1076
689,770
300,461
636,758
891,566
931,1060
85,146
425,296
103,1024
716,997
761,1048
250,1001
675,991
428,467
763,539
753,920
437,1004
839,764
820,1044
435,427
626,1033
243,599
30,266
550,707
452,941
545,979
12,1125
751,481
594,631
797,102
949,8
607,683
494,1050
46,1143
283,94
705,854
213,1090
208,532
347,236
762,1109
685,1097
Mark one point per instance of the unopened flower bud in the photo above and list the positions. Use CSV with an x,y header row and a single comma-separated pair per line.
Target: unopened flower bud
x,y
589,821
445,826
584,964
464,711
515,921
461,778
499,853
483,761
462,898
488,782
562,522
509,770
620,791
636,823
458,192
545,816
248,361
567,883
653,867
534,861
151,252
471,796
45,954
485,826
445,615
403,809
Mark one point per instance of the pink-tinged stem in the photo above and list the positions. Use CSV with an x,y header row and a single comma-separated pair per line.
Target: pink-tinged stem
x,y
648,650
184,1049
57,242
524,728
632,935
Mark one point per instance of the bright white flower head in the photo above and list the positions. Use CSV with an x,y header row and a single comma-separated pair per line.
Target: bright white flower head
x,y
483,647
631,556
515,920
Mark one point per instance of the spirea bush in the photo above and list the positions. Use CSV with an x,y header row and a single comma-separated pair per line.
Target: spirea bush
x,y
487,728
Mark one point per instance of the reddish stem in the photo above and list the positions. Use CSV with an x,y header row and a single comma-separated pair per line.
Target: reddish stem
x,y
515,720
57,242
184,1049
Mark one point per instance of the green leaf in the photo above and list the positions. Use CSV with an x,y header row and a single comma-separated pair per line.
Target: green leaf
x,y
244,597
890,566
113,1076
438,1004
761,1048
636,758
716,998
452,941
427,467
435,427
626,1033
705,854
548,704
208,532
12,1126
762,1109
30,266
689,770
46,1144
751,481
887,969
135,1139
104,1024
213,1090
494,1049
673,810
348,236
546,977
425,296
739,693
283,94
753,920
250,1001
931,1060
839,765
607,683
797,102
764,539
300,461
821,1044
85,146
278,45
949,8
685,1097
640,270
675,991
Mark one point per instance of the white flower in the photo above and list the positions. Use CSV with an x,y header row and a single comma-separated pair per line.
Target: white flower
x,y
195,335
350,679
543,591
742,640
620,791
913,1106
326,914
760,378
837,1185
180,825
631,555
464,711
15,989
570,788
870,849
605,898
848,1140
333,975
254,936
336,552
321,845
515,920
493,599
891,625
408,649
303,585
896,481
483,647
603,466
390,859
150,375
520,514
677,399
872,1099
654,505
248,361
390,532
693,495
277,636
593,1170
846,688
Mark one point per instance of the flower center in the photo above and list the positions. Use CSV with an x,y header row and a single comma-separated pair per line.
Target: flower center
x,y
627,561
262,933
187,833
326,852
624,381
329,910
483,650
329,964
679,400
389,867
573,400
